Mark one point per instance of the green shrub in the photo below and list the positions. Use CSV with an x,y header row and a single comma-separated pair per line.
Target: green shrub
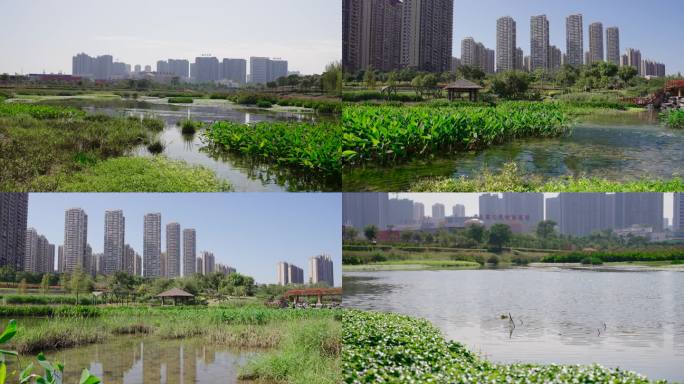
x,y
264,104
189,127
181,100
673,118
41,112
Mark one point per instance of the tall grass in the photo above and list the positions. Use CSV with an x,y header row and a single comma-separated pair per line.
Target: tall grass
x,y
388,135
181,100
673,118
618,256
42,112
303,146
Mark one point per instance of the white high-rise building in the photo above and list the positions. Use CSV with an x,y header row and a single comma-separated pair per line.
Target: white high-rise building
x,y
283,274
438,212
114,243
506,45
152,245
418,212
208,263
75,240
321,270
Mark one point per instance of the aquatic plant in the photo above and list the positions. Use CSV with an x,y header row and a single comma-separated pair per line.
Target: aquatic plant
x,y
310,147
156,147
264,104
511,179
390,348
181,100
673,118
189,127
387,135
42,112
375,95
671,254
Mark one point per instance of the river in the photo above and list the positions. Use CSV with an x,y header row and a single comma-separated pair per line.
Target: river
x,y
632,320
244,174
620,146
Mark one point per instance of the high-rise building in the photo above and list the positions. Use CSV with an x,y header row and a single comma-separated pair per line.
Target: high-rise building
x,y
33,251
362,209
321,270
263,70
75,240
371,34
643,209
138,68
574,40
489,61
678,214
208,262
163,66
519,59
234,70
179,67
400,212
225,269
283,273
521,211
458,210
438,212
539,43
613,45
207,69
199,266
652,68
506,44
555,58
581,214
634,59
138,264
13,222
173,250
426,34
91,265
596,42
60,259
189,251
152,245
114,243
129,260
162,265
418,212
469,52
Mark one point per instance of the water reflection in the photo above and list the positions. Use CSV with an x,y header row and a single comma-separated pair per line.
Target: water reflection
x,y
135,360
244,174
619,147
633,320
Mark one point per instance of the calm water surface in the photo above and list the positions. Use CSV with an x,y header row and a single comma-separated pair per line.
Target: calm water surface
x,y
631,320
244,174
625,146
131,360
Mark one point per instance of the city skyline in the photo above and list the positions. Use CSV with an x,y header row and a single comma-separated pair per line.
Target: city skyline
x,y
309,42
639,29
240,246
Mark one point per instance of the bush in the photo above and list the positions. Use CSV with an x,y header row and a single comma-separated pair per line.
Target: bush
x,y
673,118
592,261
181,100
264,104
189,127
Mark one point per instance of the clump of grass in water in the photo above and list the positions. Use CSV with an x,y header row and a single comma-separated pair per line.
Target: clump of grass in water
x,y
512,179
264,104
181,100
673,118
189,127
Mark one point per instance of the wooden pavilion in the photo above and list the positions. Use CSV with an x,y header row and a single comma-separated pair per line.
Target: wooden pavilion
x,y
176,295
461,86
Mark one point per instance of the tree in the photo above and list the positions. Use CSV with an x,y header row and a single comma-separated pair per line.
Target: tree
x,y
45,284
23,287
471,73
371,232
546,229
627,73
499,236
406,237
349,233
80,282
331,79
121,284
369,77
567,76
511,84
475,232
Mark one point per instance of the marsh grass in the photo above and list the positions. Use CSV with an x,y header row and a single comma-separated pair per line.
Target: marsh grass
x,y
512,179
181,100
189,127
673,118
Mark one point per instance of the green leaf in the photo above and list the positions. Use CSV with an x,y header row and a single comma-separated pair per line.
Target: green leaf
x,y
25,375
9,332
87,378
9,353
3,373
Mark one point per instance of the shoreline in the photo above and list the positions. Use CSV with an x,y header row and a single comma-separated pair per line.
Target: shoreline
x,y
433,265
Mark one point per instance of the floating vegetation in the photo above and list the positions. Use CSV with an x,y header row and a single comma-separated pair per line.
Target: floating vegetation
x,y
388,135
311,147
181,100
390,348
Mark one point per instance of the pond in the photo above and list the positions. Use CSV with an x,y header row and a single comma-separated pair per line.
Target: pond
x,y
632,320
620,146
244,174
129,360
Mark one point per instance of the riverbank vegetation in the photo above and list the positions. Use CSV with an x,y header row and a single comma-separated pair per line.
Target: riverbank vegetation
x,y
181,100
673,256
673,118
383,347
511,179
386,135
307,147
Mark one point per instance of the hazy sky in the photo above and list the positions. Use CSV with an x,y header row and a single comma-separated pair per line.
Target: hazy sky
x,y
471,201
43,35
651,27
248,231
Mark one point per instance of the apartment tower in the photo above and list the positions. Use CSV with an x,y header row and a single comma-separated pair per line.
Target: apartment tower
x,y
114,244
613,45
13,222
173,250
189,252
539,43
427,34
574,29
595,43
321,270
152,245
76,240
506,45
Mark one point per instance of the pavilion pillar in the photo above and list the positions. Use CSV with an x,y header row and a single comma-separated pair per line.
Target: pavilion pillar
x,y
319,299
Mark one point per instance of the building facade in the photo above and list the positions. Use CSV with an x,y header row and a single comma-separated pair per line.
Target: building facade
x,y
574,29
427,34
321,270
596,43
189,251
506,45
173,250
539,43
13,223
75,240
152,245
613,45
114,241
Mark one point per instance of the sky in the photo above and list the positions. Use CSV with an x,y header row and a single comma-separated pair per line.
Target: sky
x,y
471,201
652,28
251,232
43,35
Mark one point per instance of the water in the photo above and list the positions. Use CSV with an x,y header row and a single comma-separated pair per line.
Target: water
x,y
621,147
243,174
132,360
559,313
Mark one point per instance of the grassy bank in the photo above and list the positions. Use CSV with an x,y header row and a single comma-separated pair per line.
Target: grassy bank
x,y
511,179
386,135
295,338
307,147
380,347
412,265
135,174
671,256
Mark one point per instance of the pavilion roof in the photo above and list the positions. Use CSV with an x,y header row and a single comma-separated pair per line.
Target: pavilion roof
x,y
175,292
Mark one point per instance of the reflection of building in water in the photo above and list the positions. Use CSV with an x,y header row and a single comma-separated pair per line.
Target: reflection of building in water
x,y
188,364
151,362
